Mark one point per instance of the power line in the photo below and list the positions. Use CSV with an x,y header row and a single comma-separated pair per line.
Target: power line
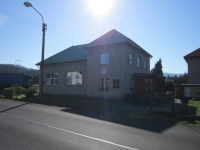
x,y
58,32
19,20
25,21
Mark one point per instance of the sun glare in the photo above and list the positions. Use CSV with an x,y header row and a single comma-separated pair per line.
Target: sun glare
x,y
100,7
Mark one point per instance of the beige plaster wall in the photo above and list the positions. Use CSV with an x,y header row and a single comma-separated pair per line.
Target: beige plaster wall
x,y
194,70
62,69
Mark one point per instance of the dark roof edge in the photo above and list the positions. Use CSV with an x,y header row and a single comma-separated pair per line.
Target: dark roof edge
x,y
141,49
60,62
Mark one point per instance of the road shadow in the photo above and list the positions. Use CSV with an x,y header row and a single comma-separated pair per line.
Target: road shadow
x,y
154,124
13,107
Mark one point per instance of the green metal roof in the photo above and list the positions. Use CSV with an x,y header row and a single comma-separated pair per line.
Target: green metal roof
x,y
112,37
72,53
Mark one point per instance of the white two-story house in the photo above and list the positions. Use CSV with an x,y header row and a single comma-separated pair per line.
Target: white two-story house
x,y
103,68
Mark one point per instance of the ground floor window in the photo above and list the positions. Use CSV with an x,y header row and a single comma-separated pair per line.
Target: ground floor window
x,y
74,78
52,78
116,83
104,83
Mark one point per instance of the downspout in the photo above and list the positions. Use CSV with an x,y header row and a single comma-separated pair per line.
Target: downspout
x,y
123,68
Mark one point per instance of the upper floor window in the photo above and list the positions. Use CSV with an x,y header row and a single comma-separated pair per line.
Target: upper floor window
x,y
130,59
52,78
104,58
74,78
138,61
145,64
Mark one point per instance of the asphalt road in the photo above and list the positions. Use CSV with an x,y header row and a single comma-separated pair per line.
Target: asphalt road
x,y
31,126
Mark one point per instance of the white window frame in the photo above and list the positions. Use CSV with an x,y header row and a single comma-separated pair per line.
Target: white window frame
x,y
104,59
104,83
139,61
145,64
131,59
74,78
52,78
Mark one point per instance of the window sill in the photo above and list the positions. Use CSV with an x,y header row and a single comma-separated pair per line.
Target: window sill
x,y
104,89
74,84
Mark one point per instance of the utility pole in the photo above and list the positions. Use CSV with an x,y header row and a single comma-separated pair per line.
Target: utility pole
x,y
44,27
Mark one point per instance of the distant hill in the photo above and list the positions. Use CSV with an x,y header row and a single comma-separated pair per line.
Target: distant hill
x,y
171,74
21,69
9,68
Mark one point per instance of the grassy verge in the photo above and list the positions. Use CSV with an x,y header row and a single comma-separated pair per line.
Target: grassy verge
x,y
190,114
189,121
112,108
106,106
194,107
191,109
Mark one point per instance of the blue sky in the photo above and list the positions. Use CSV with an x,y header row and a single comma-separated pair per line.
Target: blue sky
x,y
167,29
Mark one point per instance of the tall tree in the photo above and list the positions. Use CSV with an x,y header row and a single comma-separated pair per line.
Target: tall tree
x,y
160,80
158,68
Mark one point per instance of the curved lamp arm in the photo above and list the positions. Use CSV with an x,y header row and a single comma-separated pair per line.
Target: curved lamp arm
x,y
28,4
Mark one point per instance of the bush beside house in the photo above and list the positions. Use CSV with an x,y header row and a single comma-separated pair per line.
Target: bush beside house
x,y
17,90
8,92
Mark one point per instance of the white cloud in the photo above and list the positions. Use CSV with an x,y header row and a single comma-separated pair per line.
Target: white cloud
x,y
3,19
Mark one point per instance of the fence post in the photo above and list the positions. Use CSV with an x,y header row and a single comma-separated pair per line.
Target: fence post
x,y
173,106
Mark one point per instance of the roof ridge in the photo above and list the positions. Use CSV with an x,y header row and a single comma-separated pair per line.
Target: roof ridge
x,y
113,36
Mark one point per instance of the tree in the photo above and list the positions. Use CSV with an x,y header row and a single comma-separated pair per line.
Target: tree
x,y
160,81
157,70
35,78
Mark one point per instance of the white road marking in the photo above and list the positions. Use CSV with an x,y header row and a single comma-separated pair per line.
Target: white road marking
x,y
86,136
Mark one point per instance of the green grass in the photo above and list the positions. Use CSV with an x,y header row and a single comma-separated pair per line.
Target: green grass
x,y
190,113
189,122
193,107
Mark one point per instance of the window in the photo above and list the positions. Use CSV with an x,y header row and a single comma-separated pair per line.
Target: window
x,y
74,78
52,78
145,64
139,61
104,83
104,58
130,59
116,83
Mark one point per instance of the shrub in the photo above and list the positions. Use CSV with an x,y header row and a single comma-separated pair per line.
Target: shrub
x,y
30,92
8,92
19,90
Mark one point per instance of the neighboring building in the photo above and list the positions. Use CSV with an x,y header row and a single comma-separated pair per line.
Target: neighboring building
x,y
102,68
193,61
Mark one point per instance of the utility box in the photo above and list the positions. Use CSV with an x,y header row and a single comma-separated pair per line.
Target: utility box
x,y
189,91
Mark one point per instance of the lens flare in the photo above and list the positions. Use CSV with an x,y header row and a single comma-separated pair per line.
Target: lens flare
x,y
101,7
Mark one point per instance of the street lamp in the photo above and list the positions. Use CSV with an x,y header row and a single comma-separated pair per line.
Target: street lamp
x,y
28,4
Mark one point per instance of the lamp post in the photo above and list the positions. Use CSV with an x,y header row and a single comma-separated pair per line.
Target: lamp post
x,y
28,4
